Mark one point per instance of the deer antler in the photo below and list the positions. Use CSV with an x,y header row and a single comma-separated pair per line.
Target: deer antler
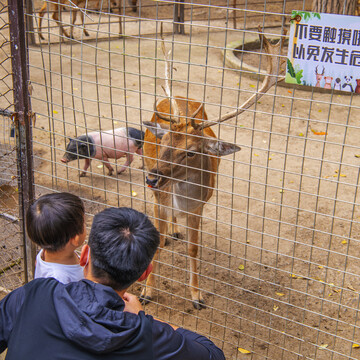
x,y
274,69
167,88
192,117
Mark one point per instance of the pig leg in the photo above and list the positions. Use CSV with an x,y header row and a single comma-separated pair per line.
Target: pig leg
x,y
129,159
107,164
86,166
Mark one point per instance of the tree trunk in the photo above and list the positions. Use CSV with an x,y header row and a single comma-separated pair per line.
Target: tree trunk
x,y
344,7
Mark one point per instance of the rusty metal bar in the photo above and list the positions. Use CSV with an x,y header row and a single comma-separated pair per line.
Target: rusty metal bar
x,y
179,17
29,22
22,120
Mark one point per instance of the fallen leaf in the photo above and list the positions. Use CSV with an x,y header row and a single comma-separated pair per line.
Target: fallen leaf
x,y
344,242
241,267
279,294
301,134
320,267
351,288
355,346
99,166
256,154
342,175
244,351
336,290
357,156
133,193
320,110
289,91
275,308
55,112
252,85
324,346
269,158
281,191
282,105
247,241
318,132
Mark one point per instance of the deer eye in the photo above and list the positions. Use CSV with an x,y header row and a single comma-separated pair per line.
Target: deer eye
x,y
190,154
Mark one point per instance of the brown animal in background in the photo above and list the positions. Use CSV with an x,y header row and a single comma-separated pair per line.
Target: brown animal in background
x,y
319,75
357,89
328,80
56,8
182,155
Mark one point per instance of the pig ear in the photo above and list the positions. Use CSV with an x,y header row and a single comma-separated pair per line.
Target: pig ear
x,y
156,129
220,148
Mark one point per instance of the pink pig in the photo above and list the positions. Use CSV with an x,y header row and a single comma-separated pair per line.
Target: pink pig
x,y
105,145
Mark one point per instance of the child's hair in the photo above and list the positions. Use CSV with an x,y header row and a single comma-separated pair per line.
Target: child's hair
x,y
54,219
122,242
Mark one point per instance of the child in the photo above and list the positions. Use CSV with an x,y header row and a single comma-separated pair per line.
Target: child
x,y
56,222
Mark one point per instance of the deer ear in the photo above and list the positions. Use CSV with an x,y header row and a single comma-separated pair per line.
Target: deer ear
x,y
220,148
156,129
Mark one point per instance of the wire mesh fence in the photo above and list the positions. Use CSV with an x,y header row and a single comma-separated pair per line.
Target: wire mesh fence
x,y
11,250
278,242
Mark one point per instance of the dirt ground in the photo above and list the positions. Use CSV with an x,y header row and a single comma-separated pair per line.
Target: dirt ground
x,y
279,251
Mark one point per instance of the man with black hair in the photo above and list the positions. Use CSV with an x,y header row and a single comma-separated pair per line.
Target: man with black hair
x,y
96,318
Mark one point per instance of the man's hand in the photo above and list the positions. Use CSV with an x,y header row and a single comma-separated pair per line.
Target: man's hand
x,y
132,303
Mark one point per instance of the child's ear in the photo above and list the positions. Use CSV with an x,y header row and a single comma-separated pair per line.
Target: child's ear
x,y
85,254
146,273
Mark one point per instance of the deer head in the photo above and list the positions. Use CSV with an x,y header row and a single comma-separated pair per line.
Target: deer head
x,y
188,148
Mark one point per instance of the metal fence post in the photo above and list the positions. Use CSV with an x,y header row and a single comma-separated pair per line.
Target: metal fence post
x,y
22,119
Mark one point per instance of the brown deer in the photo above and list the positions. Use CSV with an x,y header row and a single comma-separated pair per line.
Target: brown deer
x,y
319,75
182,155
56,8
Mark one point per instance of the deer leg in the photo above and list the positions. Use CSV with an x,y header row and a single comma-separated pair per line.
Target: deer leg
x,y
83,23
74,13
161,224
175,232
56,18
41,15
193,235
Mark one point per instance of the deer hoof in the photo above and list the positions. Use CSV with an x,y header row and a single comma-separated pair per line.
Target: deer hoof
x,y
144,300
83,174
199,304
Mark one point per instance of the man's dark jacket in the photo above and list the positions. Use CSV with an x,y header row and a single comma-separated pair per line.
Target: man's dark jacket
x,y
47,320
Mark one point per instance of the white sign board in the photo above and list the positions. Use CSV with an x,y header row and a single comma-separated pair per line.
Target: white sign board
x,y
324,51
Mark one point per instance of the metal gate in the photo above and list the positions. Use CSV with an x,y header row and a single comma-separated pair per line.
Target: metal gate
x,y
278,246
11,245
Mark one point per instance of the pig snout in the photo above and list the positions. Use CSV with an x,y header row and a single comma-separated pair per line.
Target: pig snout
x,y
64,160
